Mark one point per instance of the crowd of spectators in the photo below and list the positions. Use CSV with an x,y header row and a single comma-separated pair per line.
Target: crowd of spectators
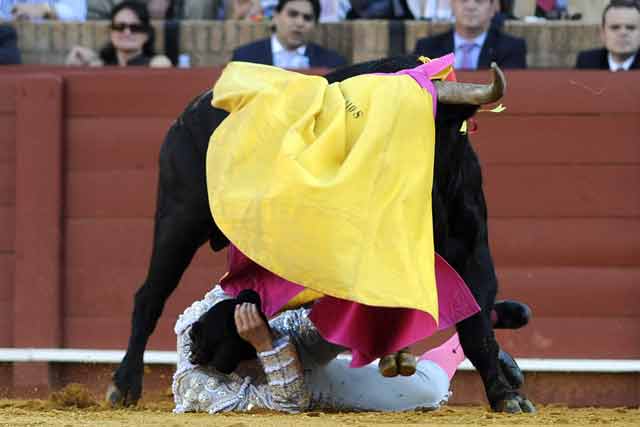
x,y
475,36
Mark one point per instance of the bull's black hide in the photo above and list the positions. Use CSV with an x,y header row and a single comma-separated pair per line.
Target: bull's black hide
x,y
184,223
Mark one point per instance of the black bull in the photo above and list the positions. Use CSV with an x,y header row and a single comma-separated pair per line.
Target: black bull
x,y
183,223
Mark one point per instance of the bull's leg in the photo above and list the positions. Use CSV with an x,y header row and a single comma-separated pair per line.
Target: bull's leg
x,y
182,224
478,339
177,238
510,369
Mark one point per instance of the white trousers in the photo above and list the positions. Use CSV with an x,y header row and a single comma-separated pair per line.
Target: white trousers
x,y
337,386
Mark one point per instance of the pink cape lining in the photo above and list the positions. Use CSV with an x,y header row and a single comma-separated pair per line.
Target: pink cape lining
x,y
421,74
369,332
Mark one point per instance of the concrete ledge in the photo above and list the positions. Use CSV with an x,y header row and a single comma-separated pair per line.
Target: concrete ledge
x,y
155,357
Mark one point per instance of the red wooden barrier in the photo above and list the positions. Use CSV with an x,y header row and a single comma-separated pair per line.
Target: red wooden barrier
x,y
561,168
38,292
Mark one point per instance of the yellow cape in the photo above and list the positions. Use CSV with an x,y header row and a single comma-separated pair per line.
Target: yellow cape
x,y
328,186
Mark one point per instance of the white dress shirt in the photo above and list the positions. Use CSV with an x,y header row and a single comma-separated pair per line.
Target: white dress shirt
x,y
334,10
617,66
284,58
437,10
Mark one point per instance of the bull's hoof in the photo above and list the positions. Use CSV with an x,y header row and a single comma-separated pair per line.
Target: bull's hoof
x,y
510,406
527,406
388,366
406,362
517,405
114,396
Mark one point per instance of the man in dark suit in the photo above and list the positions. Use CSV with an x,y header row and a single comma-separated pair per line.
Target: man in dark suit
x,y
9,53
474,41
289,46
620,34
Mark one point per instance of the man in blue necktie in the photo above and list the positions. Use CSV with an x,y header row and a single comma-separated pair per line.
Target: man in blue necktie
x,y
475,42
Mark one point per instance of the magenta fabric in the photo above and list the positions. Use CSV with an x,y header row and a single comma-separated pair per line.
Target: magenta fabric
x,y
546,5
448,356
369,332
422,74
243,273
372,332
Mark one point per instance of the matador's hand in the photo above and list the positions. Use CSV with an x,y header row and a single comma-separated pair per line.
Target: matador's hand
x,y
252,328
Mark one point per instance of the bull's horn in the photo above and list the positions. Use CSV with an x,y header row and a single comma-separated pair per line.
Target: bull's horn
x,y
471,93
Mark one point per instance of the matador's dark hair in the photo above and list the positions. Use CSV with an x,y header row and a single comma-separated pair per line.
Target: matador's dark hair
x,y
214,337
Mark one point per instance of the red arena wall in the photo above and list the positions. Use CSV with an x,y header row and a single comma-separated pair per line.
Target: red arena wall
x,y
78,170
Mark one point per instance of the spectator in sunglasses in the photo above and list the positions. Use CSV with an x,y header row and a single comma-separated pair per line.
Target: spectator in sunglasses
x,y
132,39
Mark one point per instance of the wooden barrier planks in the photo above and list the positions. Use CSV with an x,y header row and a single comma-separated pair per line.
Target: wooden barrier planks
x,y
562,139
99,144
117,194
561,191
7,206
573,92
38,246
7,271
135,93
557,242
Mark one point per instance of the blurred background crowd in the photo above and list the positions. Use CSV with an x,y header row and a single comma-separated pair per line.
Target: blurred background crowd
x,y
477,31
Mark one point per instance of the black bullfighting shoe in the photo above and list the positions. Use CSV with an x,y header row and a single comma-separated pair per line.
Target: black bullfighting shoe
x,y
402,362
509,314
406,362
388,366
512,372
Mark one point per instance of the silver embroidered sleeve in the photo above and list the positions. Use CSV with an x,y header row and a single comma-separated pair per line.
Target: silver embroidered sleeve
x,y
285,377
297,325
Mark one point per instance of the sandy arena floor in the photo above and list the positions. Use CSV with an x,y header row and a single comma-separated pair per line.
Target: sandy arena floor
x,y
76,407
